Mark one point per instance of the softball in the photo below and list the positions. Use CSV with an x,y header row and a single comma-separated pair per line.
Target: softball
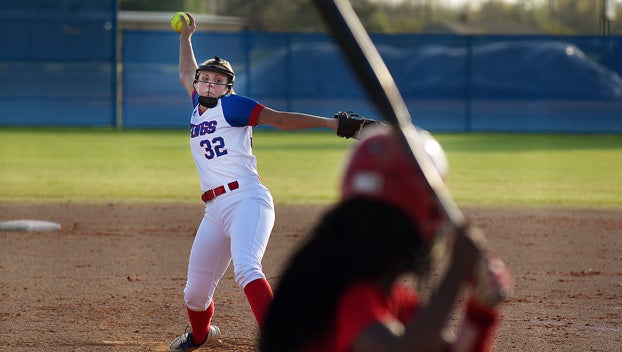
x,y
176,21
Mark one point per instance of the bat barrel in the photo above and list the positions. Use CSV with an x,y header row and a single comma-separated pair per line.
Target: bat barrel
x,y
378,82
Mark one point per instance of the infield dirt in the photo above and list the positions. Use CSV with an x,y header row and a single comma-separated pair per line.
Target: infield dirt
x,y
112,278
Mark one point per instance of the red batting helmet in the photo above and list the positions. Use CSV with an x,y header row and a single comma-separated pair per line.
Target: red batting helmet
x,y
381,168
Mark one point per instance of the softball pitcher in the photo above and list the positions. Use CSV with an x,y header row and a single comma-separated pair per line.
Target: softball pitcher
x,y
239,210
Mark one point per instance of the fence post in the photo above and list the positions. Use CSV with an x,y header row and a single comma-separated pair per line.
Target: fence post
x,y
117,67
468,80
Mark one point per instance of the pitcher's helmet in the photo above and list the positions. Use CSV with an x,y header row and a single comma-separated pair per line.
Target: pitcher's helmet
x,y
216,65
380,168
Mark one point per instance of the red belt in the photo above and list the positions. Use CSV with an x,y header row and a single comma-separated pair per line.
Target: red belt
x,y
215,192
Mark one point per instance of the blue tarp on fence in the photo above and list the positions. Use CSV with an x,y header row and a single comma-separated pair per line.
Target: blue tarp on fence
x,y
450,83
62,71
57,63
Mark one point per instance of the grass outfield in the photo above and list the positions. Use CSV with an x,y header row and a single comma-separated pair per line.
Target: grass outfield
x,y
76,164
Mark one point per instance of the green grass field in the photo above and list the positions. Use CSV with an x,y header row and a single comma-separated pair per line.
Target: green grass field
x,y
78,164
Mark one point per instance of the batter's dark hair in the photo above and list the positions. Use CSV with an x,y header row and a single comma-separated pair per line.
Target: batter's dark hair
x,y
357,240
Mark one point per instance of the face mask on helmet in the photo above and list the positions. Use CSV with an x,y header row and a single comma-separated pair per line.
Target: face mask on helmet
x,y
214,65
380,168
208,102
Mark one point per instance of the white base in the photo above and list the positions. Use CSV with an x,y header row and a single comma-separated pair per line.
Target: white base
x,y
28,225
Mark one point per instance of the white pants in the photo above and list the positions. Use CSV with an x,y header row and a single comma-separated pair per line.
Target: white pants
x,y
236,226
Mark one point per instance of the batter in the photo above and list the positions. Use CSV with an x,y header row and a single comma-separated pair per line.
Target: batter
x,y
383,230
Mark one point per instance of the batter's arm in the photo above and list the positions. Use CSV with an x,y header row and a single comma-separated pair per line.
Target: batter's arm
x,y
187,61
293,120
425,331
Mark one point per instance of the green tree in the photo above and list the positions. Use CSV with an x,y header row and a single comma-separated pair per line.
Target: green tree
x,y
407,16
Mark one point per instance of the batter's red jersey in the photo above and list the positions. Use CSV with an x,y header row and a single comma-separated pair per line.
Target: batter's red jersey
x,y
363,304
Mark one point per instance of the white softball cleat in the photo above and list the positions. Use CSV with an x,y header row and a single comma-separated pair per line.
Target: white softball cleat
x,y
184,343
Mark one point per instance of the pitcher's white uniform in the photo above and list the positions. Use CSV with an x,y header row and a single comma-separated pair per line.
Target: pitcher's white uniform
x,y
239,210
237,223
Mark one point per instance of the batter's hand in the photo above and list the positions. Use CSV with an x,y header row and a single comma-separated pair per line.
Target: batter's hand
x,y
351,124
492,282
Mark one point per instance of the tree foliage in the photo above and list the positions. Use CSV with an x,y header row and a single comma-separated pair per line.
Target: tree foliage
x,y
408,16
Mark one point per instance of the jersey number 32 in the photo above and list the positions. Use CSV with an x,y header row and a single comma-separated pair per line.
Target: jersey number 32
x,y
214,148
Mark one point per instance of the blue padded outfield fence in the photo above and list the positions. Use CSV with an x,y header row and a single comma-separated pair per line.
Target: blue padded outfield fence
x,y
57,63
66,71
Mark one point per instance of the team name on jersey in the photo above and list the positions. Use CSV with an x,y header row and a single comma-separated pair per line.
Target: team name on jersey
x,y
207,127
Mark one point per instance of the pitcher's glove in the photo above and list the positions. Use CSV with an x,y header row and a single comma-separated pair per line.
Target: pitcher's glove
x,y
351,124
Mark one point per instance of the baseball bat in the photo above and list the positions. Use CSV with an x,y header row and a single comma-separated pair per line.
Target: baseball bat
x,y
378,82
